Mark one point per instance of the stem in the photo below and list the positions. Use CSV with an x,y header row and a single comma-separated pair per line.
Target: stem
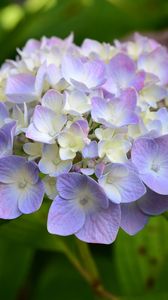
x,y
76,263
103,293
87,258
88,270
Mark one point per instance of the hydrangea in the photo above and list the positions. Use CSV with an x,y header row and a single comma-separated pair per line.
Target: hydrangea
x,y
86,126
82,208
21,188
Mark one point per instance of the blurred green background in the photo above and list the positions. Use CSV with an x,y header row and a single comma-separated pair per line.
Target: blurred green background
x,y
33,264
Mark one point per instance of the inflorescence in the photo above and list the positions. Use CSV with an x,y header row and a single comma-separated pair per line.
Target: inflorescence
x,y
88,127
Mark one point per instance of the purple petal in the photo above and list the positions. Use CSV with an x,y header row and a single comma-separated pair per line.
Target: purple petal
x,y
97,192
132,218
121,185
129,98
53,74
145,44
20,88
155,62
46,74
9,129
95,73
13,168
3,113
101,226
64,217
121,67
138,81
31,201
68,185
36,135
57,42
90,46
114,113
32,172
46,125
8,202
45,120
87,171
40,79
83,125
6,138
91,150
131,188
143,149
9,167
99,169
53,100
51,164
121,71
83,75
150,156
72,68
21,185
4,148
71,185
31,46
101,109
153,203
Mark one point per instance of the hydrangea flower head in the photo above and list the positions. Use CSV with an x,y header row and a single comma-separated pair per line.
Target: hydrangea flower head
x,y
92,122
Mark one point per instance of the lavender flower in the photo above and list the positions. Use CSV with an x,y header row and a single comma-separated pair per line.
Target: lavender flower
x,y
51,163
45,126
155,63
84,75
73,139
121,183
20,187
135,215
20,88
122,74
115,112
150,156
83,209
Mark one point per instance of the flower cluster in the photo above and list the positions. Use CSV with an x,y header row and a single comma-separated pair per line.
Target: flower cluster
x,y
88,127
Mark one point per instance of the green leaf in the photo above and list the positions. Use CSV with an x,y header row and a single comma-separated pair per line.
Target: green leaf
x,y
15,263
140,259
3,221
31,230
59,280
